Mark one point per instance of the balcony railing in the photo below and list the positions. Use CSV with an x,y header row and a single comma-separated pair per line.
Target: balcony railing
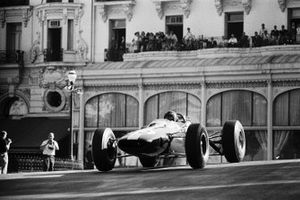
x,y
11,56
7,3
51,55
114,54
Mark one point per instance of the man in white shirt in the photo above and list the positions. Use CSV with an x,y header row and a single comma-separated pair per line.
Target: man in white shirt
x,y
49,147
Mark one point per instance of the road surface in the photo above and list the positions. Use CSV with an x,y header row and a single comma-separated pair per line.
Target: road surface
x,y
248,180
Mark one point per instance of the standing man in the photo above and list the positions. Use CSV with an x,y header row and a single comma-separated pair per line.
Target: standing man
x,y
49,146
4,147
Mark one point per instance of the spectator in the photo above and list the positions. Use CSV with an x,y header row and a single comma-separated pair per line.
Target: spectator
x,y
223,42
275,36
244,41
283,35
298,34
49,147
266,38
4,147
232,42
188,39
212,43
136,42
173,40
262,30
143,41
257,40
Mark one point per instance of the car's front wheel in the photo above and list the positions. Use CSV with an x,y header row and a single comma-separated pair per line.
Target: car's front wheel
x,y
233,141
104,149
197,146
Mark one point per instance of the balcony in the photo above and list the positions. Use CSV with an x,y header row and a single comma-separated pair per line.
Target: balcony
x,y
9,3
51,55
11,57
114,55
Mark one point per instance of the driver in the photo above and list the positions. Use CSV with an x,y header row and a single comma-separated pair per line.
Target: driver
x,y
171,115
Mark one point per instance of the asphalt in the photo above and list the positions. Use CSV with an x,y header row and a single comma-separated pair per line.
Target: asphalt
x,y
279,179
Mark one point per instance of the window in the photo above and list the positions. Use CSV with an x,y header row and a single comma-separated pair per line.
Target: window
x,y
248,107
111,110
234,24
286,119
13,41
181,102
70,42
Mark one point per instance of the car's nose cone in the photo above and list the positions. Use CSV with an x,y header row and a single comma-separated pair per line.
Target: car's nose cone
x,y
141,146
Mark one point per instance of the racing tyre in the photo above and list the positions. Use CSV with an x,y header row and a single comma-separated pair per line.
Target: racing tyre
x,y
148,161
197,146
104,149
233,141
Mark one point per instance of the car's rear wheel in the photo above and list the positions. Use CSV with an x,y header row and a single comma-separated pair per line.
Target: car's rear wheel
x,y
233,141
148,161
104,149
197,146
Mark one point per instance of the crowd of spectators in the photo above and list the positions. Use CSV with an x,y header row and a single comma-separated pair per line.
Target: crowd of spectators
x,y
161,41
168,41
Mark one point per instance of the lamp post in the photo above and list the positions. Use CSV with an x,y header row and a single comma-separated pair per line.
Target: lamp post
x,y
72,75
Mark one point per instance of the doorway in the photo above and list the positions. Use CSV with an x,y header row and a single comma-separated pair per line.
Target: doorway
x,y
294,24
175,24
234,24
117,42
54,52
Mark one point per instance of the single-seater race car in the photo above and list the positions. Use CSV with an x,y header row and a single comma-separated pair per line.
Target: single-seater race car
x,y
172,136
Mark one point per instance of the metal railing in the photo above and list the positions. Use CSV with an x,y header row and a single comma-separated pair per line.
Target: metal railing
x,y
51,55
11,56
114,55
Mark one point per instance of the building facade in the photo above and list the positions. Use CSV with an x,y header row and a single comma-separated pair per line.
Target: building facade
x,y
40,41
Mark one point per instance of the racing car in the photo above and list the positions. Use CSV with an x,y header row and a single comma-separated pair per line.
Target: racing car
x,y
171,136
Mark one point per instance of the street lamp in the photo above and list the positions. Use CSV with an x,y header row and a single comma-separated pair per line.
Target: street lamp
x,y
72,75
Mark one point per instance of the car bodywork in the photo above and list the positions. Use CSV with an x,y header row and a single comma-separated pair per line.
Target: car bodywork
x,y
169,137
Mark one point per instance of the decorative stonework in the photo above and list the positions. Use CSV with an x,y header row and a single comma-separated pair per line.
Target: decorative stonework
x,y
159,9
19,14
237,84
282,5
53,77
172,86
62,11
27,13
127,8
78,14
35,50
247,5
219,6
186,7
286,83
94,87
61,100
82,47
103,12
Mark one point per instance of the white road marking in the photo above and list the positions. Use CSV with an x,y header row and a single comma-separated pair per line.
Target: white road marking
x,y
145,191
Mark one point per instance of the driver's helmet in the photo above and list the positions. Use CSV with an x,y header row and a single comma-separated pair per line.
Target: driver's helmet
x,y
171,115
